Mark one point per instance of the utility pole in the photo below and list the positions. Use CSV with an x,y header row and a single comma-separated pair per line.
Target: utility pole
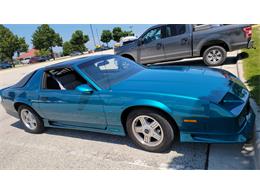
x,y
93,35
131,28
98,37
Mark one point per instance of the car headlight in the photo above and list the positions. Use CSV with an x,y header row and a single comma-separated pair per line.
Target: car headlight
x,y
230,101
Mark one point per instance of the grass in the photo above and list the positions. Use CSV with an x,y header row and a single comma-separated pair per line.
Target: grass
x,y
251,66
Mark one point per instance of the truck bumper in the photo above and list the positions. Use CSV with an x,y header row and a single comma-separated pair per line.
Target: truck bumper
x,y
250,44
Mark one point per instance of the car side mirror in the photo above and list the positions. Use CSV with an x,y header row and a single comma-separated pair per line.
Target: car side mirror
x,y
84,89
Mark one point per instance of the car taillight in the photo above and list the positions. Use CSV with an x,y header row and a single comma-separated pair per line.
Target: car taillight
x,y
248,31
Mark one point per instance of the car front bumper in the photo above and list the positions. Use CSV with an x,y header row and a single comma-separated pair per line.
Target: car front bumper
x,y
240,134
247,130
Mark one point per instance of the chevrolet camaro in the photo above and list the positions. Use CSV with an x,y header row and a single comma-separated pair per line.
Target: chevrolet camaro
x,y
153,106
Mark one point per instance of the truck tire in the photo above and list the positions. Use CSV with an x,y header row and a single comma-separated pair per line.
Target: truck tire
x,y
214,56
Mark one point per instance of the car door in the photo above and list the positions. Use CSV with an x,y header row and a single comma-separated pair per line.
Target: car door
x,y
176,41
151,48
72,108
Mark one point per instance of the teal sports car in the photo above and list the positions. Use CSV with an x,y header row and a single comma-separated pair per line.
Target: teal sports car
x,y
153,106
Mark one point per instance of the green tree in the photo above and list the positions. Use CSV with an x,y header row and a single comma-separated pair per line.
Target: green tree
x,y
128,33
67,48
78,41
45,38
106,36
117,34
22,46
43,52
10,43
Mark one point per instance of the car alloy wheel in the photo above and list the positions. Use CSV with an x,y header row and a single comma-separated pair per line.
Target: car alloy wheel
x,y
31,121
147,130
28,119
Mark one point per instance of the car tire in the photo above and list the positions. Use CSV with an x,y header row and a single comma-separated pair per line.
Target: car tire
x,y
161,137
214,56
30,120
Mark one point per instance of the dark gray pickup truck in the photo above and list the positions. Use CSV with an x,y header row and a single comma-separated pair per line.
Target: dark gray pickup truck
x,y
166,42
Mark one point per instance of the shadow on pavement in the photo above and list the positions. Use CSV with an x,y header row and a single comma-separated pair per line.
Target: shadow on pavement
x,y
243,55
183,155
190,155
87,135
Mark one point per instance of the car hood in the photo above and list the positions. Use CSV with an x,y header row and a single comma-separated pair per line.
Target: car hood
x,y
191,82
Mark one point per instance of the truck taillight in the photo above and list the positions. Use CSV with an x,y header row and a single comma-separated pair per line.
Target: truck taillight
x,y
248,31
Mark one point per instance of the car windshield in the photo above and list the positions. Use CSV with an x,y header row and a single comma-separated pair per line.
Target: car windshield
x,y
109,70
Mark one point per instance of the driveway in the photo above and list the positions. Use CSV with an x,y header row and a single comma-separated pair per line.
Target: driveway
x,y
69,149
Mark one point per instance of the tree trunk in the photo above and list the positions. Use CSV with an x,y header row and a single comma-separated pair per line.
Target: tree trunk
x,y
18,53
52,54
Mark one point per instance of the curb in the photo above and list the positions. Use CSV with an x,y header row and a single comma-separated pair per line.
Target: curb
x,y
256,109
256,140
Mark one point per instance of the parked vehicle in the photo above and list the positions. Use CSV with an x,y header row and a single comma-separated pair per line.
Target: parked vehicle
x,y
128,39
46,58
4,65
177,41
102,48
26,61
37,59
112,94
75,53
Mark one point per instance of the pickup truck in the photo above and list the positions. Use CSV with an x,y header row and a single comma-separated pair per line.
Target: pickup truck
x,y
166,42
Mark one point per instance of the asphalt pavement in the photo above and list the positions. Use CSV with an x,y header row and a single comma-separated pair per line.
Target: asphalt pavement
x,y
70,149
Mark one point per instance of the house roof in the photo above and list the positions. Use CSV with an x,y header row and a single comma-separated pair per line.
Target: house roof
x,y
29,54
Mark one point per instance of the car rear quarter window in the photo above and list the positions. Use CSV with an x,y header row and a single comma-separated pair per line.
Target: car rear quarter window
x,y
24,80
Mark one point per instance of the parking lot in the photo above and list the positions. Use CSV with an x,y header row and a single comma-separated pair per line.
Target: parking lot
x,y
69,149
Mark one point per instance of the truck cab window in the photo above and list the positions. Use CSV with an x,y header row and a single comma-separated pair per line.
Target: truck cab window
x,y
152,35
174,30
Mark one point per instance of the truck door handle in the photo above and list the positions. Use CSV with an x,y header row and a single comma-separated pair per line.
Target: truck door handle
x,y
184,41
158,46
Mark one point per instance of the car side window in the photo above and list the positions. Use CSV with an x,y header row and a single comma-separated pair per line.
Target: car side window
x,y
152,35
62,79
174,30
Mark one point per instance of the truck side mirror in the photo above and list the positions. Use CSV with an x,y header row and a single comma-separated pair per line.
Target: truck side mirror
x,y
140,42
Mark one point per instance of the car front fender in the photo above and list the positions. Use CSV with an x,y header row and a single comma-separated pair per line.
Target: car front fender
x,y
149,103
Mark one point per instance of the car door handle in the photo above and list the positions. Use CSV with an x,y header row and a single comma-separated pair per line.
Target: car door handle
x,y
184,41
158,46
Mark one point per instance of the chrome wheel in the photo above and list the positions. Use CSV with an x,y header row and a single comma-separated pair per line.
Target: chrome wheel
x,y
214,56
28,119
147,130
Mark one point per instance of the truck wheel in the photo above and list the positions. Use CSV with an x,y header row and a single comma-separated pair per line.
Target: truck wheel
x,y
128,57
150,130
214,56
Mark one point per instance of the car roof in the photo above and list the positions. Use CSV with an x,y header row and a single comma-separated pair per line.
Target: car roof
x,y
75,62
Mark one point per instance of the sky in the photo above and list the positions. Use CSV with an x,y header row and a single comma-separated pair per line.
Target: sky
x,y
66,30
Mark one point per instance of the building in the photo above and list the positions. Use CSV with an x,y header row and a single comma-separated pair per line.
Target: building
x,y
31,53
